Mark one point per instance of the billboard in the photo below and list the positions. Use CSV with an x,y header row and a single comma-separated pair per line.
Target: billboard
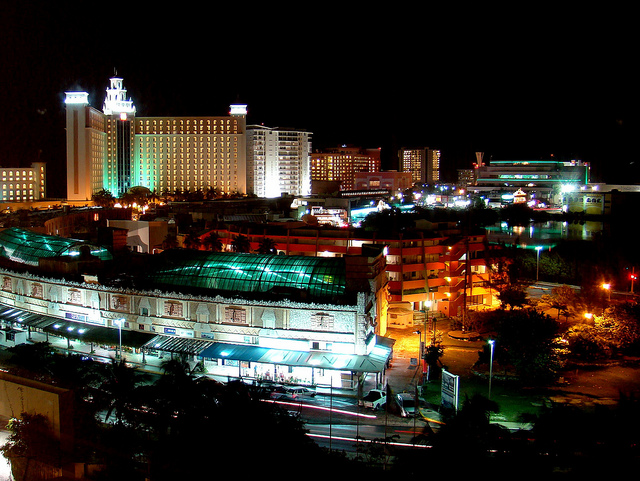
x,y
450,390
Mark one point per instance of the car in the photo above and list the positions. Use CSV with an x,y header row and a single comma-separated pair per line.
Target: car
x,y
298,392
277,391
407,403
291,392
375,399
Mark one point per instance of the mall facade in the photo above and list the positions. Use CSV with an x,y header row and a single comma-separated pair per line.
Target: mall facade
x,y
308,320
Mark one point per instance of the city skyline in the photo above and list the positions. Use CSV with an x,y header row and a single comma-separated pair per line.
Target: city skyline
x,y
507,93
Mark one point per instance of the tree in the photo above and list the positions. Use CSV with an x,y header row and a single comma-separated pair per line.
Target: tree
x,y
103,198
267,246
31,441
192,240
388,220
170,242
212,242
513,297
432,356
563,298
528,340
241,244
118,388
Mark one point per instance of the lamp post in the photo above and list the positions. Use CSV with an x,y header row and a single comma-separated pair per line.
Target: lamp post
x,y
491,343
538,249
607,287
421,352
421,347
119,323
427,305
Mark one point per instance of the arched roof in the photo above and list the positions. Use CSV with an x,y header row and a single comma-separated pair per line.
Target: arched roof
x,y
251,273
26,247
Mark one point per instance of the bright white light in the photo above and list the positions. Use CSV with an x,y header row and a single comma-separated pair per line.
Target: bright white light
x,y
238,109
76,98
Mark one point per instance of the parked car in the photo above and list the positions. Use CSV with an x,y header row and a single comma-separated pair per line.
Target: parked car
x,y
375,399
277,391
291,392
300,392
407,403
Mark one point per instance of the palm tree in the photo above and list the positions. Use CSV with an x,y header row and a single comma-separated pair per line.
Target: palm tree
x,y
241,244
170,242
192,241
103,198
212,242
267,246
119,388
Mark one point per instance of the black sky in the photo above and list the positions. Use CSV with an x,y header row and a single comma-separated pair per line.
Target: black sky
x,y
522,84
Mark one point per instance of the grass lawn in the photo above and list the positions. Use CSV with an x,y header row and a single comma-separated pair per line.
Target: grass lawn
x,y
512,400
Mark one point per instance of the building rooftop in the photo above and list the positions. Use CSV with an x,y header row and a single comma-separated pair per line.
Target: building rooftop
x,y
27,247
317,277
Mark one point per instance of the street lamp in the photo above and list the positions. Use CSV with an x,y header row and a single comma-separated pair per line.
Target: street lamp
x,y
607,287
119,322
538,249
491,343
420,348
427,305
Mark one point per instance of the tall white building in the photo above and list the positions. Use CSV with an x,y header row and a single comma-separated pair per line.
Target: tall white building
x,y
115,150
278,161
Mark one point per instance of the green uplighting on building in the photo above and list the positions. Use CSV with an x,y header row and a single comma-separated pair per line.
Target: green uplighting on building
x,y
27,247
321,277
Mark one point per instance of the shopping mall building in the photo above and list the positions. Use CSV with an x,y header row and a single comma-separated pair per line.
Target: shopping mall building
x,y
312,320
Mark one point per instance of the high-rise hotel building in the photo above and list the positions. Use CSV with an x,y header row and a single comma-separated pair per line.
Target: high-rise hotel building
x,y
278,161
423,164
115,150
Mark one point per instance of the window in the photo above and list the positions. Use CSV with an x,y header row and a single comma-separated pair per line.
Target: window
x,y
322,321
173,309
235,315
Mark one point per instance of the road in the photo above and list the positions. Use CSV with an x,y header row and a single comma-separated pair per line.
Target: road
x,y
339,423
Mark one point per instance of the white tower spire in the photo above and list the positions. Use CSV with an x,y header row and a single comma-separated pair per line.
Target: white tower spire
x,y
116,100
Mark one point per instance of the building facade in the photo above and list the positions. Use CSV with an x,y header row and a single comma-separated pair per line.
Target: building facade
x,y
392,181
433,265
423,164
263,316
278,161
114,150
342,163
543,180
24,184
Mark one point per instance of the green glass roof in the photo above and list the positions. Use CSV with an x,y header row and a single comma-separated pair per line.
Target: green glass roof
x,y
250,273
27,247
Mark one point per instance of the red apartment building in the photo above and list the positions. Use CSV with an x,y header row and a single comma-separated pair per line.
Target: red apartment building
x,y
430,269
342,163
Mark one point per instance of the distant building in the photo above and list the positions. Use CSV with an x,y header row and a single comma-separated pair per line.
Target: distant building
x,y
23,184
115,150
392,181
423,164
278,161
466,177
342,163
539,179
602,199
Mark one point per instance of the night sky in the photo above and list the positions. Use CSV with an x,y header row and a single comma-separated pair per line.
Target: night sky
x,y
514,84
